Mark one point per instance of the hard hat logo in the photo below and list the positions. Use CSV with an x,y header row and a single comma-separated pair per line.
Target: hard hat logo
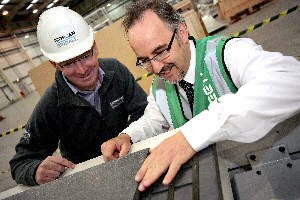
x,y
65,39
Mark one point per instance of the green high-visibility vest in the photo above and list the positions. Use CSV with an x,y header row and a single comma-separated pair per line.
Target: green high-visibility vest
x,y
205,90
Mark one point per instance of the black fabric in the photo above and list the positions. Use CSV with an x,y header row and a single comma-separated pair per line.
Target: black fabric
x,y
189,90
63,118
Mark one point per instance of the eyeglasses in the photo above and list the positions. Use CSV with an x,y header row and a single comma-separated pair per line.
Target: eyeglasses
x,y
83,58
145,63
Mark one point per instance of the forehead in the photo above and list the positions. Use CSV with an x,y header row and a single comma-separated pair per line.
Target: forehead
x,y
148,33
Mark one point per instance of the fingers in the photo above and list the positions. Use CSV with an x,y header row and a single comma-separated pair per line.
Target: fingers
x,y
116,147
62,161
124,142
44,175
125,149
173,170
151,170
141,173
169,156
148,175
44,179
108,150
51,168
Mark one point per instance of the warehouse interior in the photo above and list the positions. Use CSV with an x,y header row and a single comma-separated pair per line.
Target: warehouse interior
x,y
25,73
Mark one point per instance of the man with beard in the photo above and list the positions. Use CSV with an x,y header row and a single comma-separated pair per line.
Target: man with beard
x,y
91,101
241,91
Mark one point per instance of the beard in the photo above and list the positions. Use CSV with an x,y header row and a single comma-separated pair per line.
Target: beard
x,y
169,67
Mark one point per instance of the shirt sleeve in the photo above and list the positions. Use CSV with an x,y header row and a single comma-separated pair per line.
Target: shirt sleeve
x,y
150,124
269,92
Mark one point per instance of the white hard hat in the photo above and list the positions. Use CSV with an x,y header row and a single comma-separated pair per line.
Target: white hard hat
x,y
63,34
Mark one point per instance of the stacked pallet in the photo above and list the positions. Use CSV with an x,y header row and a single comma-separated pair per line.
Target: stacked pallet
x,y
229,9
192,18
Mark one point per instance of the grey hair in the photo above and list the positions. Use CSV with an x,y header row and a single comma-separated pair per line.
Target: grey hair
x,y
163,10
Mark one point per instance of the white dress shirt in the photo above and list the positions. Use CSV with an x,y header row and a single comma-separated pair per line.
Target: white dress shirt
x,y
269,92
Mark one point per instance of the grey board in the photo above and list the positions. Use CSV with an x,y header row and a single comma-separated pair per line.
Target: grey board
x,y
109,181
210,174
197,179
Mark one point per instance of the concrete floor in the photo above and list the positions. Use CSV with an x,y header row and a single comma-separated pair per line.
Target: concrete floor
x,y
16,115
281,35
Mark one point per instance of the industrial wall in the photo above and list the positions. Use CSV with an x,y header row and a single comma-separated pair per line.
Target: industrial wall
x,y
17,56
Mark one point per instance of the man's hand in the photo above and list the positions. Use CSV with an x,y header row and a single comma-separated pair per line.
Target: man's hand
x,y
51,168
169,155
116,147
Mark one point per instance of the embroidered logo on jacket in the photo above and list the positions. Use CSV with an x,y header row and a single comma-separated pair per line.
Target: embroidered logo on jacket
x,y
26,135
114,104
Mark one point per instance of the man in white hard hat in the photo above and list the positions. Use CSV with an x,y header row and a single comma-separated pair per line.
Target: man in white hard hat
x,y
91,101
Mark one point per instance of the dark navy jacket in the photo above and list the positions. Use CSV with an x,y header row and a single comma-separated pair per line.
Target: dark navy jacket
x,y
65,119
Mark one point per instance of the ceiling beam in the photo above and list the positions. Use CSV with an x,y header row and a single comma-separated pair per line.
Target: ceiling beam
x,y
15,9
40,9
12,23
87,6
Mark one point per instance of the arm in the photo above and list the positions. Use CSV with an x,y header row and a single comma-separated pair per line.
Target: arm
x,y
40,139
150,124
269,92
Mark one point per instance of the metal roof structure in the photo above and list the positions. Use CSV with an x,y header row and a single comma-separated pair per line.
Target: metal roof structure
x,y
20,18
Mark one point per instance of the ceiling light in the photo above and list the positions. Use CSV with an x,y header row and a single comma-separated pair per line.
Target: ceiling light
x,y
108,5
34,1
55,1
35,11
50,5
5,1
30,5
1,6
5,12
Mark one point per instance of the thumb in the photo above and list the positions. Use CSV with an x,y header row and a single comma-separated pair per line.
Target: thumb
x,y
124,149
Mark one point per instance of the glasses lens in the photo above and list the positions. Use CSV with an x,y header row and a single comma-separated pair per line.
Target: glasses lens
x,y
163,55
82,58
66,65
142,64
86,57
146,64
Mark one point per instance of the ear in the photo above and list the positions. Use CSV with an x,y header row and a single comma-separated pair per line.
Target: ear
x,y
95,48
183,32
56,66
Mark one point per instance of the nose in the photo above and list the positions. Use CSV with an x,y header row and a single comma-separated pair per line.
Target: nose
x,y
157,66
80,68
